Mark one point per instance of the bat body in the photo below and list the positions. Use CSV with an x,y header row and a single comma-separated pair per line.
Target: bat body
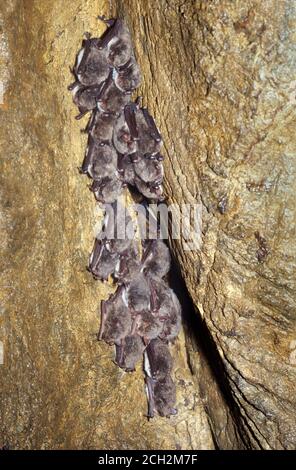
x,y
157,259
161,391
160,359
110,99
101,126
148,326
122,138
164,396
149,170
149,138
138,294
85,98
129,352
102,263
116,320
91,67
100,160
128,268
128,77
117,42
107,190
168,309
126,169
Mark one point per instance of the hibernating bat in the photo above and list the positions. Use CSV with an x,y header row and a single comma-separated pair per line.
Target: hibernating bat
x,y
157,259
129,352
102,263
116,320
123,148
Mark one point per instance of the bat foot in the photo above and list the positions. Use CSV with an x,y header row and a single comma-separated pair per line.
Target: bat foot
x,y
72,85
81,171
109,22
72,70
150,416
79,116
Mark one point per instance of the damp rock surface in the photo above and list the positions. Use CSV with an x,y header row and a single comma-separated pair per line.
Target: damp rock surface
x,y
219,77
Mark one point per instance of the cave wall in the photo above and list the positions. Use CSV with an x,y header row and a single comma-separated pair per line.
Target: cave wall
x,y
59,386
219,78
222,87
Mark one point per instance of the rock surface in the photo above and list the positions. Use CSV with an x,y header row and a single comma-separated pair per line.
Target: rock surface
x,y
219,78
59,387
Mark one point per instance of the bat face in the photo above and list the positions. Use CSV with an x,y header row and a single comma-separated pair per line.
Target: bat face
x,y
128,268
86,97
120,52
111,99
153,192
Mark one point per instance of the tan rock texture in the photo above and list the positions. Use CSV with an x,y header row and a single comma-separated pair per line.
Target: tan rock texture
x,y
219,76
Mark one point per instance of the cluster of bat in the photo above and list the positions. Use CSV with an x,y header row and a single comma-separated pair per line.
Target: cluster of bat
x,y
144,314
123,140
